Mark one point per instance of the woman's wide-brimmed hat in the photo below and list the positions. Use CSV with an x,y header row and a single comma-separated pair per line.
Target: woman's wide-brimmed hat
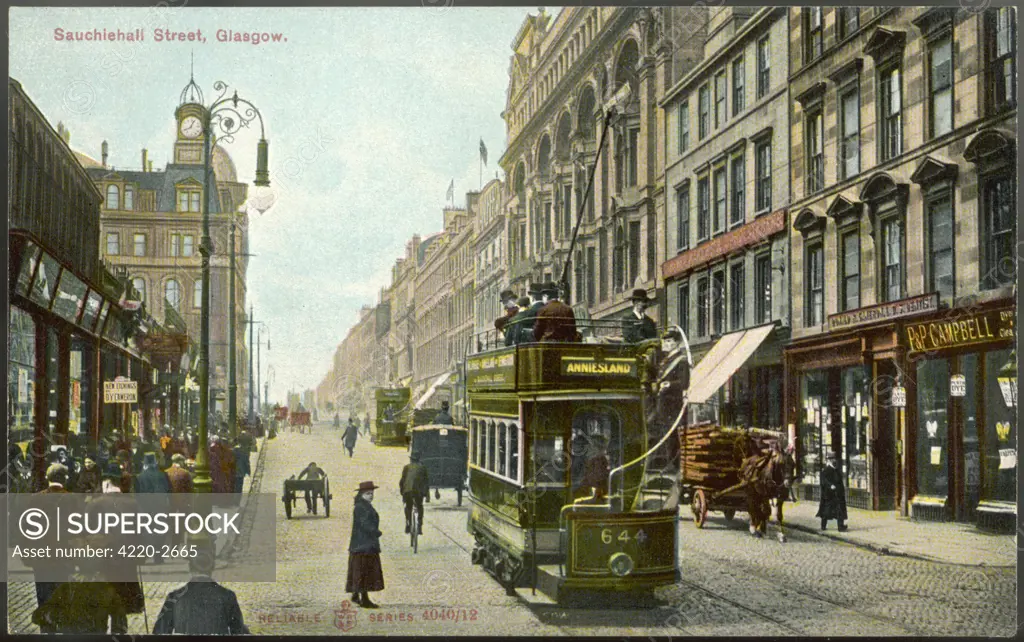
x,y
365,486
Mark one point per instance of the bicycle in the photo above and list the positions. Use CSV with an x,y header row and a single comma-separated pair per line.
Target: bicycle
x,y
414,529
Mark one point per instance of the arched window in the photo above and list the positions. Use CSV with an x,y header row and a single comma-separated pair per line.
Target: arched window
x,y
113,197
563,146
129,198
543,156
139,284
585,115
172,293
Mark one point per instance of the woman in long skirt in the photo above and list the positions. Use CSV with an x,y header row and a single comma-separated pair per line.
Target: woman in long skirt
x,y
364,571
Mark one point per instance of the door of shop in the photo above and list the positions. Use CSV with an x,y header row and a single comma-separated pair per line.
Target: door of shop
x,y
884,451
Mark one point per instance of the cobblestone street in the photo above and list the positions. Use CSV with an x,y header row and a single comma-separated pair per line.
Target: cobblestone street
x,y
732,584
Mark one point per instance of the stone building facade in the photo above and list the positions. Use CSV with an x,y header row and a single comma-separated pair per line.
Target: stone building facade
x,y
491,253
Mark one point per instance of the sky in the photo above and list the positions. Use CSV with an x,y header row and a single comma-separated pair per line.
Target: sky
x,y
370,113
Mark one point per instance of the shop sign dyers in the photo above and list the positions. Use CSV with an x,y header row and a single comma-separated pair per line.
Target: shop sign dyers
x,y
958,331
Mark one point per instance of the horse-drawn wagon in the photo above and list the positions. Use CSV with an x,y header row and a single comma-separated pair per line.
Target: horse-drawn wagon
x,y
300,421
733,469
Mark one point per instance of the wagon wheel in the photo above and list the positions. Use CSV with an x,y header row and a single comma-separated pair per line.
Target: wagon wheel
x,y
699,505
327,498
729,514
460,497
288,505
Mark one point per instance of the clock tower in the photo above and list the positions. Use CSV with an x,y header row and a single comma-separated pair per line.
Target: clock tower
x,y
190,117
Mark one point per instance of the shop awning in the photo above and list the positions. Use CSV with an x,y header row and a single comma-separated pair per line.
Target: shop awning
x,y
724,358
432,389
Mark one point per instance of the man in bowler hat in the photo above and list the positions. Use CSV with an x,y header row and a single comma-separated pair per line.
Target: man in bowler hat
x,y
833,494
638,326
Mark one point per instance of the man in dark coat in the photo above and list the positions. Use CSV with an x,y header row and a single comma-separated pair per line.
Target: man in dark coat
x,y
83,605
444,416
152,488
414,486
89,478
242,464
833,495
312,471
201,607
668,389
638,326
351,435
555,321
55,571
112,500
508,300
521,328
364,569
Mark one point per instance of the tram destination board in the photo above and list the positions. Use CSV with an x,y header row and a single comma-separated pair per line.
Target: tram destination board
x,y
648,542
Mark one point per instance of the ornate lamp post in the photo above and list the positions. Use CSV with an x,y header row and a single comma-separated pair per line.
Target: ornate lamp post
x,y
226,115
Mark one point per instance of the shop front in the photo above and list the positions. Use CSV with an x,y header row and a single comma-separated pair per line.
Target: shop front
x,y
962,434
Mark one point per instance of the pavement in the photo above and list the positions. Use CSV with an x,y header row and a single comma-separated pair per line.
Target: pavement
x,y
888,533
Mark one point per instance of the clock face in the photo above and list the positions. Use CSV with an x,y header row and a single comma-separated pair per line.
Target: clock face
x,y
191,127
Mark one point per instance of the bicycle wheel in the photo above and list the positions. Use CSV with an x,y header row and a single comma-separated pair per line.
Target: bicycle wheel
x,y
414,530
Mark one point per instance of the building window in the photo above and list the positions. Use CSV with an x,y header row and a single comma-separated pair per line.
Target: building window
x,y
684,125
129,198
618,262
812,34
739,179
703,112
591,285
702,306
1001,36
849,268
683,217
737,295
940,245
763,289
763,171
634,251
940,84
718,302
139,284
849,150
172,292
684,307
721,91
188,201
113,197
892,258
140,245
720,201
890,106
633,152
197,294
739,81
703,209
175,245
763,67
602,255
815,145
999,232
814,285
847,21
113,243
187,241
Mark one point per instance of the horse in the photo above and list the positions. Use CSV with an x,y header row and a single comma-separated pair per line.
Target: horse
x,y
768,478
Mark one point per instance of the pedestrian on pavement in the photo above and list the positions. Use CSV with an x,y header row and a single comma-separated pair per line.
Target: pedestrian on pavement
x,y
414,486
351,434
153,487
364,570
366,424
312,471
242,465
201,607
112,500
61,456
833,495
89,479
555,320
444,416
181,489
124,460
55,571
83,605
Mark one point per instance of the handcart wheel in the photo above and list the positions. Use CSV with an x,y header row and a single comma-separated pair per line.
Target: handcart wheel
x,y
288,506
729,514
460,497
327,498
437,493
700,508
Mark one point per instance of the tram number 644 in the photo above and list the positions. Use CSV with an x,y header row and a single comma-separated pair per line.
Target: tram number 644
x,y
609,537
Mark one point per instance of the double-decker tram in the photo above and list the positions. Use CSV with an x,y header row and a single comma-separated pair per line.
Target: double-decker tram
x,y
393,414
561,496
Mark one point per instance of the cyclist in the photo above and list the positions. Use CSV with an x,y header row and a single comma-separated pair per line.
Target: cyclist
x,y
415,485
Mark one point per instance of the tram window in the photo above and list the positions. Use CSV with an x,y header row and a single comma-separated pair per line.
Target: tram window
x,y
474,429
490,446
502,448
513,451
595,449
550,460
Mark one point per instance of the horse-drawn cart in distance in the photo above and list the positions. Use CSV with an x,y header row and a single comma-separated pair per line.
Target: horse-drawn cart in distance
x,y
733,469
300,421
444,450
317,488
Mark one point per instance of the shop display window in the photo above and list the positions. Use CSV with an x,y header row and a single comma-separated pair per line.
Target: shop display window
x,y
814,433
45,282
855,420
80,386
971,453
933,427
21,375
1000,435
92,310
28,266
70,297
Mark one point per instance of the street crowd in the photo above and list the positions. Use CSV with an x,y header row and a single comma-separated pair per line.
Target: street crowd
x,y
85,596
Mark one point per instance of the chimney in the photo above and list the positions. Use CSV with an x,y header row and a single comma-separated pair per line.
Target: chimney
x,y
103,156
150,167
145,155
